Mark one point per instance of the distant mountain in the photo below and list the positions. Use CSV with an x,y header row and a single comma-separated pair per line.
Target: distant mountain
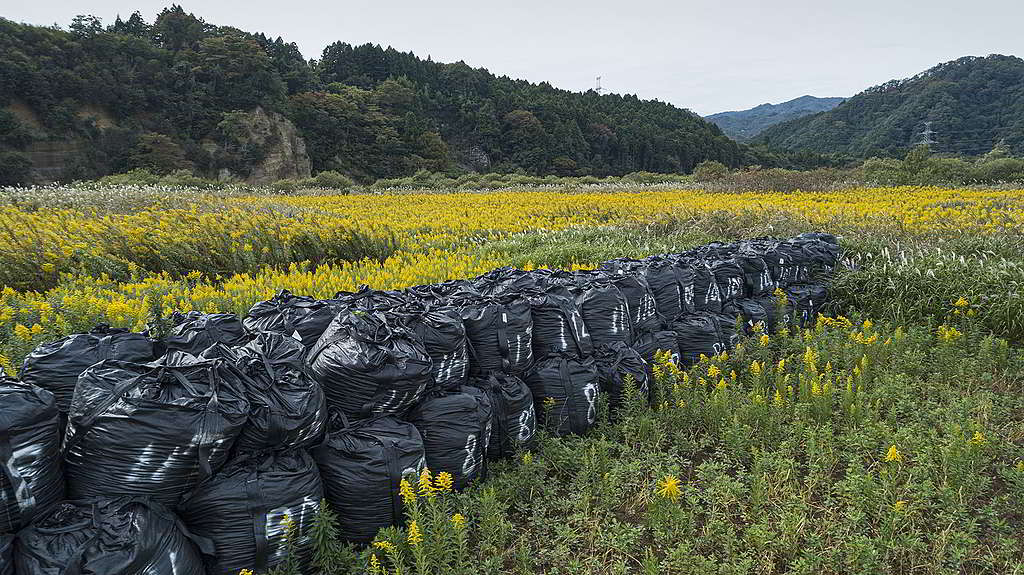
x,y
971,104
743,125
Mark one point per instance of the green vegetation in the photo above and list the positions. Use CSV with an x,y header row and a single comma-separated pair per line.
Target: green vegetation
x,y
972,103
176,94
852,447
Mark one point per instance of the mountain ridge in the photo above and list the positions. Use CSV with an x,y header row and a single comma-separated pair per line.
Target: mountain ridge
x,y
744,125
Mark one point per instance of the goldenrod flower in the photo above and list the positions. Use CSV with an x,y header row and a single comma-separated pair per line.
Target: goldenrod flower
x,y
405,489
386,546
445,482
899,506
459,520
893,455
755,368
424,484
977,439
1020,466
415,537
777,400
668,487
961,303
246,572
527,458
713,371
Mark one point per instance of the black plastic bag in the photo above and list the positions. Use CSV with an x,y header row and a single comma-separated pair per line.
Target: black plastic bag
x,y
731,280
152,429
649,344
30,476
697,334
707,296
500,334
456,430
6,554
558,327
55,366
615,363
605,313
672,287
566,392
362,465
368,364
757,277
804,301
243,510
117,536
301,317
752,312
444,338
195,331
513,416
287,408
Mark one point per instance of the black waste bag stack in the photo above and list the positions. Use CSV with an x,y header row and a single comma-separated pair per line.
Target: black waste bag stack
x,y
368,363
563,380
117,536
362,464
56,366
514,417
287,408
456,430
300,317
449,374
30,466
152,429
245,511
194,332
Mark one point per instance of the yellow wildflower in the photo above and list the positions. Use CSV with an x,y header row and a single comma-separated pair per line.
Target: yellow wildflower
x,y
668,487
899,506
527,458
765,340
755,368
405,489
415,537
893,455
386,546
713,371
961,303
445,481
977,439
459,520
425,483
375,568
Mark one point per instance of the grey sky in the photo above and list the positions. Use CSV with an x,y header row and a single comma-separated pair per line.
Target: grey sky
x,y
708,56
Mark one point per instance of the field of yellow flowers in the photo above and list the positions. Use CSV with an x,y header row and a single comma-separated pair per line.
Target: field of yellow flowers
x,y
75,256
889,438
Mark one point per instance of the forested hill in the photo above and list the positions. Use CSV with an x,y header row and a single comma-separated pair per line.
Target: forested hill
x,y
972,104
742,125
180,93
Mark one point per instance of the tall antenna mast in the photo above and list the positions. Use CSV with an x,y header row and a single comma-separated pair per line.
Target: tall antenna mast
x,y
598,87
926,136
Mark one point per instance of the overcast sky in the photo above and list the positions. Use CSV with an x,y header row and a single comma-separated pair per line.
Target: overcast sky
x,y
707,55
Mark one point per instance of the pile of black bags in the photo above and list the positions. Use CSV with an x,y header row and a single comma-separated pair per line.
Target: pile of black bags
x,y
204,450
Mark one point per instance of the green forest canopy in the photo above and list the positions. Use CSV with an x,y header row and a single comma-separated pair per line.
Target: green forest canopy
x,y
972,105
152,95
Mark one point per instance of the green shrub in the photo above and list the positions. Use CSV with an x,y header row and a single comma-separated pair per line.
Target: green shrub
x,y
710,170
332,180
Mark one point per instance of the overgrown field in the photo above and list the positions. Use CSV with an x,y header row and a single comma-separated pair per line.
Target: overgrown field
x,y
856,447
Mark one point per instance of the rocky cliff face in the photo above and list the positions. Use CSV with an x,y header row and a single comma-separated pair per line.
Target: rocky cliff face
x,y
284,149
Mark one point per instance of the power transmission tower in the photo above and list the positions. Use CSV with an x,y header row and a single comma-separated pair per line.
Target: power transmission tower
x,y
926,136
598,87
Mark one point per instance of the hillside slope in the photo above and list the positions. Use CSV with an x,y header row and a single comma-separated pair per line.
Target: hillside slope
x,y
182,94
742,125
973,103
